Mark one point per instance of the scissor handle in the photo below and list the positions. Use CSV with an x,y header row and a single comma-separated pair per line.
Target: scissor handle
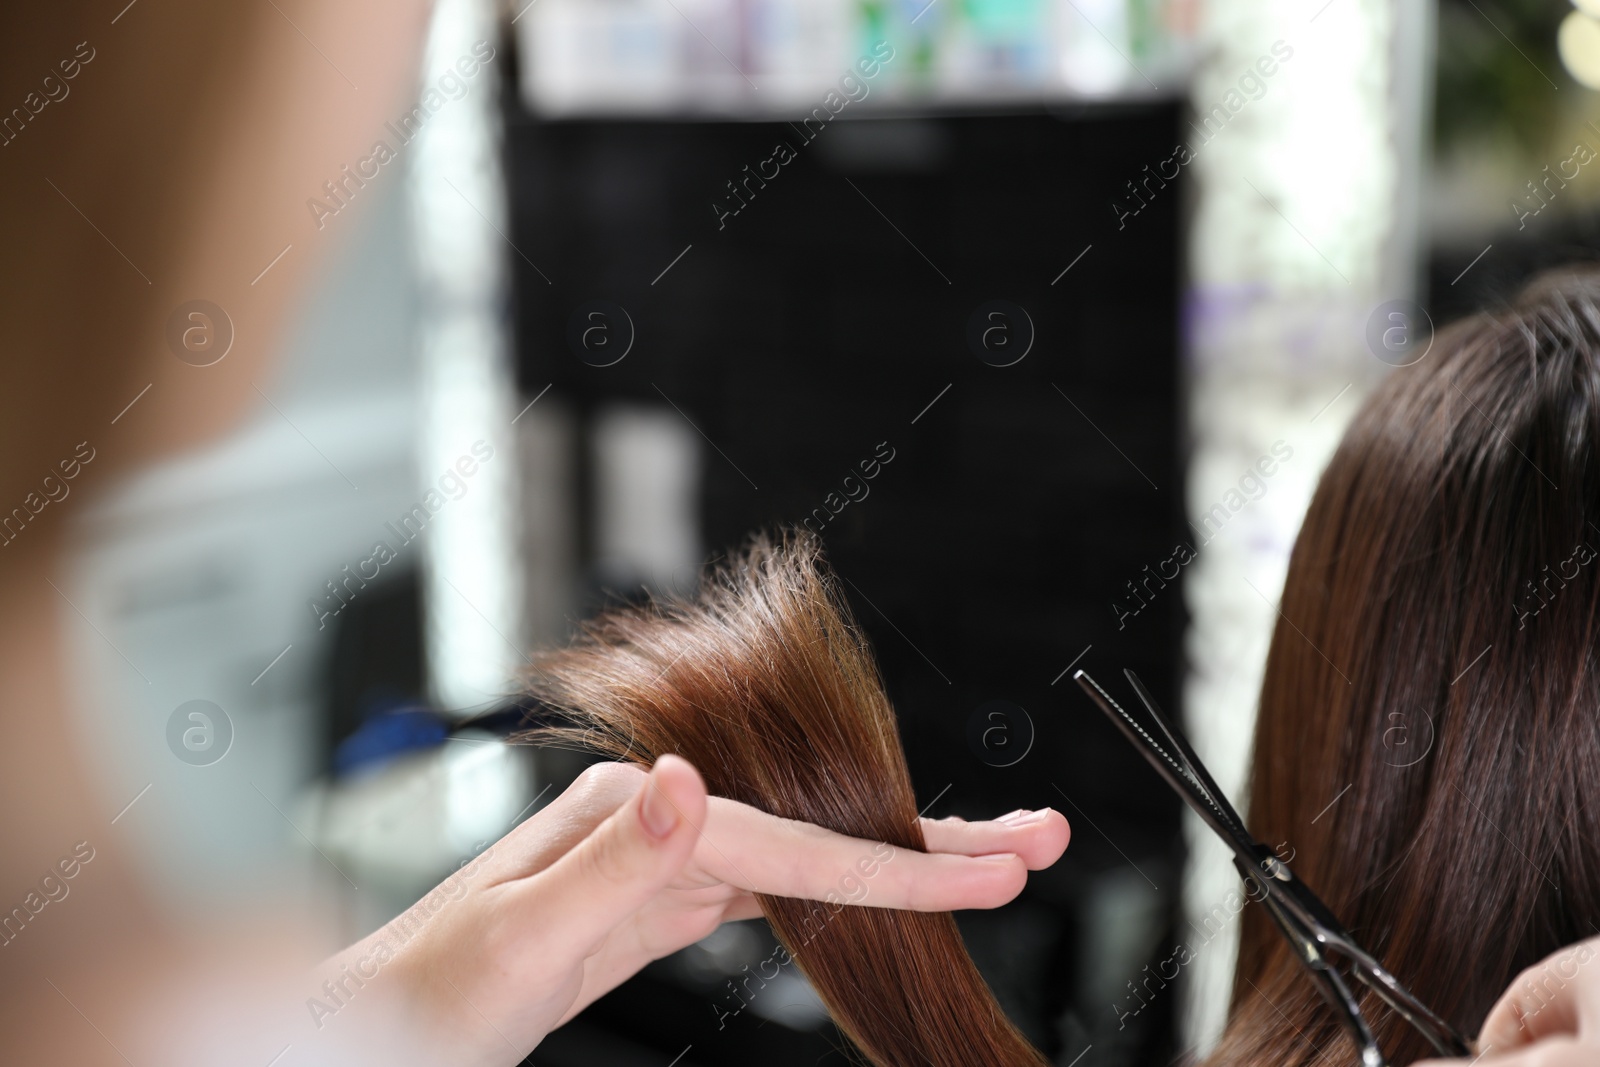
x,y
1445,1039
1329,982
1306,921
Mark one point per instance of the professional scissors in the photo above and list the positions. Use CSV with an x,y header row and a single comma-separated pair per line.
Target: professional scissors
x,y
1316,935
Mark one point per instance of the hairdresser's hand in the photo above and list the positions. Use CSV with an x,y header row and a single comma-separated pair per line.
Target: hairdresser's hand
x,y
626,867
1549,1017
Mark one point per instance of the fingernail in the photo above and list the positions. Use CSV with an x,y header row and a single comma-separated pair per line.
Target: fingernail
x,y
657,813
999,857
1025,818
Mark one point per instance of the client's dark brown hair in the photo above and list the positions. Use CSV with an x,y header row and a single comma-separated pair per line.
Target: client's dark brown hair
x,y
1436,657
763,682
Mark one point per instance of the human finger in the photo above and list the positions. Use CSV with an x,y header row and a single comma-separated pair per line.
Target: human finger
x,y
554,830
1039,837
762,853
1555,996
1551,1052
629,858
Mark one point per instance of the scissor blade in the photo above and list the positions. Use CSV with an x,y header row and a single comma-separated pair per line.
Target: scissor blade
x,y
1244,846
1185,752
